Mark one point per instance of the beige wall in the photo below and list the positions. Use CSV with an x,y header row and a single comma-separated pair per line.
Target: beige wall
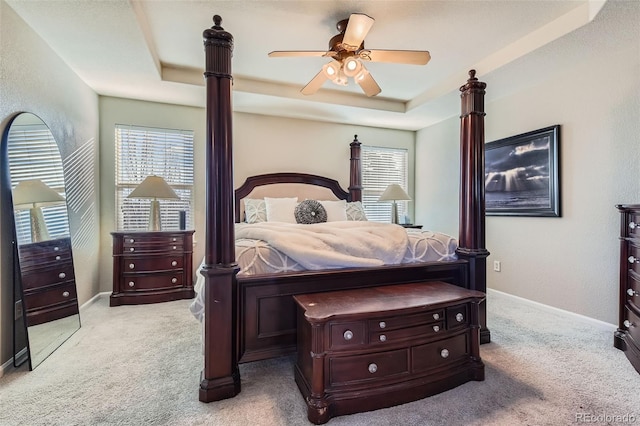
x,y
34,79
261,144
569,262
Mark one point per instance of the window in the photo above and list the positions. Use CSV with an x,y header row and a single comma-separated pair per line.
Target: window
x,y
145,151
380,168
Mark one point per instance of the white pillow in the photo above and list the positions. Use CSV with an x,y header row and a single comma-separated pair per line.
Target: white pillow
x,y
281,209
336,210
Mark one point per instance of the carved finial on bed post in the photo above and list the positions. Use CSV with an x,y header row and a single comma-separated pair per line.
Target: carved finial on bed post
x,y
355,171
220,377
471,241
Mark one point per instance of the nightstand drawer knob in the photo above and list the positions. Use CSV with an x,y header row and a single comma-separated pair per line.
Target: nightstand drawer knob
x,y
174,247
57,257
632,259
174,280
174,239
132,284
444,353
132,249
62,275
436,328
174,263
436,316
132,266
56,249
633,225
373,368
459,317
383,338
131,240
628,324
348,335
632,292
65,294
382,324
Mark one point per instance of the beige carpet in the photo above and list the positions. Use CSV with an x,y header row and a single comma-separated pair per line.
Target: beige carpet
x,y
140,365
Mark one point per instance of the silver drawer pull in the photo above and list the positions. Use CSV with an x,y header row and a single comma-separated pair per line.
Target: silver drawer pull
x,y
383,338
444,353
57,257
174,280
174,239
174,263
62,275
632,292
632,259
174,247
131,284
132,266
65,294
348,335
132,249
436,316
131,240
373,368
56,249
382,324
459,317
436,328
633,225
628,324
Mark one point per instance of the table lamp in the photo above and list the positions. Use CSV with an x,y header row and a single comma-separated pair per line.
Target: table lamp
x,y
394,192
33,194
154,187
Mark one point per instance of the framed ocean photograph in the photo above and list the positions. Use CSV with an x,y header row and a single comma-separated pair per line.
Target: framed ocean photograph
x,y
522,176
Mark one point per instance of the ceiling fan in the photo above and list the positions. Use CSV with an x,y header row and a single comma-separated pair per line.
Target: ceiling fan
x,y
348,53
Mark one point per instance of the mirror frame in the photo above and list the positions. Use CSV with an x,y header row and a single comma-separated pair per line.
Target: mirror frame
x,y
56,330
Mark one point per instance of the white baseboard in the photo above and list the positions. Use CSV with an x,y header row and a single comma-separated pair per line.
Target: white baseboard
x,y
9,364
94,299
602,325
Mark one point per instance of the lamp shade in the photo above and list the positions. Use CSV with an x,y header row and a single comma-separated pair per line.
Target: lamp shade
x,y
394,192
34,192
153,187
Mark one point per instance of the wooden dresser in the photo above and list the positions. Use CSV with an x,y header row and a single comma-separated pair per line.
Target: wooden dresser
x,y
627,337
151,267
48,281
365,349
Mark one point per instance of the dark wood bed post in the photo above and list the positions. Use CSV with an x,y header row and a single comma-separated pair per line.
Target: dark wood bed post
x,y
471,241
355,171
220,377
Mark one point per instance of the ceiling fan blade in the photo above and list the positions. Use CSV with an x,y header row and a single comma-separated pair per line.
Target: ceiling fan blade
x,y
367,83
291,53
413,57
357,29
315,84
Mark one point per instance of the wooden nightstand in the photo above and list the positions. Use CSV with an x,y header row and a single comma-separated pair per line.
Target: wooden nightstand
x,y
151,267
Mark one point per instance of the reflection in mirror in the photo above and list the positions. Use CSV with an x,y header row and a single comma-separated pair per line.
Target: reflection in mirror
x,y
45,297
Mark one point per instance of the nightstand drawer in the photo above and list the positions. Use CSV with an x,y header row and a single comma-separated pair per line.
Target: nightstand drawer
x,y
46,276
151,263
417,332
632,324
155,281
344,335
390,323
633,258
457,316
375,366
437,354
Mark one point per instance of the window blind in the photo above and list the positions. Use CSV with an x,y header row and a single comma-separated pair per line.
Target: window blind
x,y
144,151
380,168
34,154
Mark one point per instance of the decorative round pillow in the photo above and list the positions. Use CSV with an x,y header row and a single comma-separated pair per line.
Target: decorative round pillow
x,y
310,211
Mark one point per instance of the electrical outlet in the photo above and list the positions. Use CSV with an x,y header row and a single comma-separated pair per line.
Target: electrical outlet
x,y
496,265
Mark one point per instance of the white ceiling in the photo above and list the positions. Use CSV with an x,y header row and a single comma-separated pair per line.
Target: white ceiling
x,y
152,50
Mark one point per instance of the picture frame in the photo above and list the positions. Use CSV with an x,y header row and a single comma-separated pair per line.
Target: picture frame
x,y
522,174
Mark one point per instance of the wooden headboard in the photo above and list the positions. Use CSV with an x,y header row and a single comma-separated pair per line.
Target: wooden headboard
x,y
301,185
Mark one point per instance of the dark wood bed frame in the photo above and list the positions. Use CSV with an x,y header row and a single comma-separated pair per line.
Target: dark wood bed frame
x,y
249,318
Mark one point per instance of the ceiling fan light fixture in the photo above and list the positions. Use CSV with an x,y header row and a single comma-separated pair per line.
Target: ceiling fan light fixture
x,y
331,70
352,66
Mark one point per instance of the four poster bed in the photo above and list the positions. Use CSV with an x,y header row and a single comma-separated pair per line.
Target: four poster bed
x,y
249,317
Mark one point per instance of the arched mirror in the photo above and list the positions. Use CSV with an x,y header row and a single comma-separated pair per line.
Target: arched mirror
x,y
45,302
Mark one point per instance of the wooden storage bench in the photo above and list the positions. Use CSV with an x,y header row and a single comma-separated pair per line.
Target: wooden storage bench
x,y
365,349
